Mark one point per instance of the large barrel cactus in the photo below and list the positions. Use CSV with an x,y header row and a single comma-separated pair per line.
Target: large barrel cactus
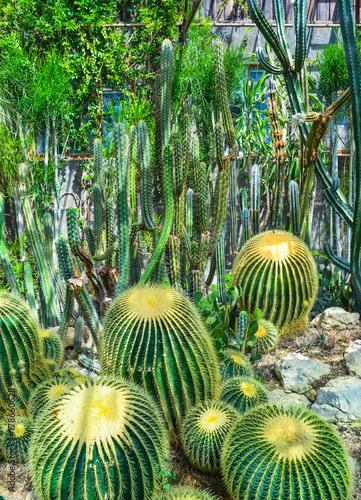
x,y
285,454
203,432
104,439
21,362
184,493
154,336
236,364
278,275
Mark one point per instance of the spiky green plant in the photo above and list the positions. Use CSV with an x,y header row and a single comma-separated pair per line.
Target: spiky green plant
x,y
103,439
50,390
203,432
184,493
236,364
21,363
78,336
278,275
267,336
15,441
154,336
52,346
282,454
243,393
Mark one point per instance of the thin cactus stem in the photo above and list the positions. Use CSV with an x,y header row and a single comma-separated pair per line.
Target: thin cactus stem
x,y
221,210
48,237
146,179
29,286
245,225
98,162
166,75
233,206
174,254
78,336
121,144
221,279
5,263
90,240
255,197
67,314
294,207
212,270
98,218
109,231
189,213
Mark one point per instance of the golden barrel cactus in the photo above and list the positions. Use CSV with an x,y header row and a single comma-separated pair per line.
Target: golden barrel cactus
x,y
278,275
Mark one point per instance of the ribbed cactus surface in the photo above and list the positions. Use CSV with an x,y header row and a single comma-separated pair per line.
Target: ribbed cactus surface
x,y
15,441
21,363
154,336
184,493
52,346
278,275
203,432
104,439
267,336
285,454
243,393
236,364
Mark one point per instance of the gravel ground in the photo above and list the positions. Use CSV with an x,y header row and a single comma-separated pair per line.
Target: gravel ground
x,y
329,350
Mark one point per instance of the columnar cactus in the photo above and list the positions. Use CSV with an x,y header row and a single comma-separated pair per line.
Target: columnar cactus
x,y
243,393
103,439
154,336
16,439
278,275
275,453
21,363
267,336
236,364
203,432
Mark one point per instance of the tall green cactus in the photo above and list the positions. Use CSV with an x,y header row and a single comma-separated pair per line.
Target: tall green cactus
x,y
255,197
294,207
5,263
146,180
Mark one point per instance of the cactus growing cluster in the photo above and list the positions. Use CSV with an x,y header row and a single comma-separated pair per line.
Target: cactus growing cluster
x,y
275,453
154,336
278,275
103,439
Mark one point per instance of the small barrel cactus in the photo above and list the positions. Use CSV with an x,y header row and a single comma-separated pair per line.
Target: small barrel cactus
x,y
236,364
243,393
154,336
104,439
15,441
49,391
278,275
203,431
52,347
184,493
285,454
22,365
267,336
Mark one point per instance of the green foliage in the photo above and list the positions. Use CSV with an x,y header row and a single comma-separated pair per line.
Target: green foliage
x,y
281,454
15,441
203,431
178,365
243,393
22,365
235,364
277,274
88,442
166,474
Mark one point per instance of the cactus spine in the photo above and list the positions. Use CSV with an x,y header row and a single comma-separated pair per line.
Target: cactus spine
x,y
16,439
294,207
153,335
184,493
236,364
281,454
255,197
243,393
109,454
266,336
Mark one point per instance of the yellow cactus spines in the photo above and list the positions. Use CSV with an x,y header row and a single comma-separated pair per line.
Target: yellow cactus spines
x,y
52,347
154,336
284,454
49,391
236,364
15,441
21,362
184,493
278,275
203,431
243,393
104,439
267,336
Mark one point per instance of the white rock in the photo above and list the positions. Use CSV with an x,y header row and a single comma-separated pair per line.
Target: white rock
x,y
339,400
353,358
335,318
298,373
280,397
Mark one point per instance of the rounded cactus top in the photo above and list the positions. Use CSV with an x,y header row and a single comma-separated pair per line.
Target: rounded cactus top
x,y
184,493
151,302
292,446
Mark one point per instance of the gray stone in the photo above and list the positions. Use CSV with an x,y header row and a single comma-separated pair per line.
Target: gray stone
x,y
339,400
69,338
280,397
335,318
299,373
353,358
